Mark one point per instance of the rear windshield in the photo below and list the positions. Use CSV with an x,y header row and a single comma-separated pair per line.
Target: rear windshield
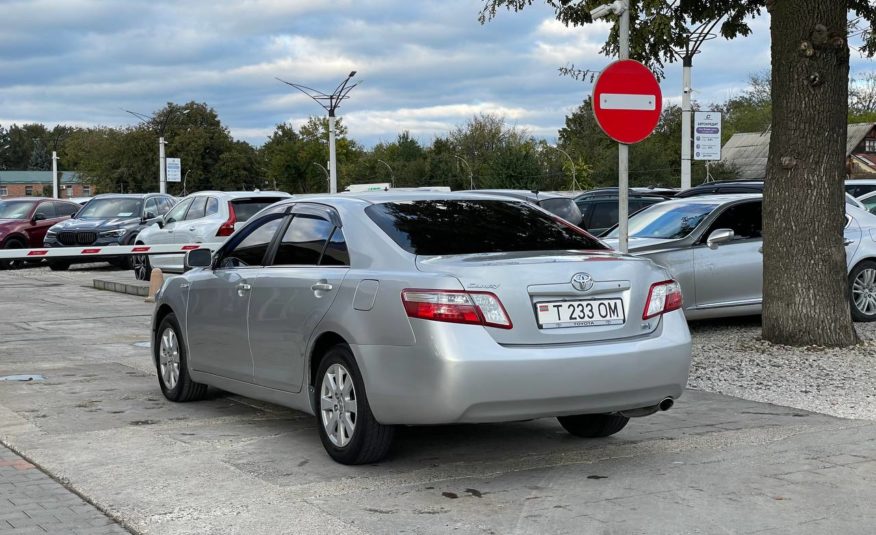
x,y
246,208
449,227
112,207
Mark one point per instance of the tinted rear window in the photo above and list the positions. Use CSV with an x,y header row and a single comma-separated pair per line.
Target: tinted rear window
x,y
246,208
451,227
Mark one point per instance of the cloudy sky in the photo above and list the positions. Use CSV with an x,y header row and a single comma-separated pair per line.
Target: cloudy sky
x,y
425,65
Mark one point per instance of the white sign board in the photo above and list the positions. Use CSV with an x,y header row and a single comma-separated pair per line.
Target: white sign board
x,y
174,170
707,135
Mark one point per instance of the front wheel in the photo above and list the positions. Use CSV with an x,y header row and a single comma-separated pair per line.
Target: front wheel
x,y
171,361
347,428
593,425
9,264
862,291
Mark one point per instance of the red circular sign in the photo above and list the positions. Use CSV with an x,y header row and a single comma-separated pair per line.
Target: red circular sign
x,y
627,101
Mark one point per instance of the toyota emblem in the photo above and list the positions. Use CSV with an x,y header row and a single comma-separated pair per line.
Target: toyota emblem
x,y
582,281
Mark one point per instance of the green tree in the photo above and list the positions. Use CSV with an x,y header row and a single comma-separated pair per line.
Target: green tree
x,y
803,196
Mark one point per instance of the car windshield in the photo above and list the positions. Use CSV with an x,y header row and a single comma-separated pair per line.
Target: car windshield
x,y
110,208
451,227
668,221
15,209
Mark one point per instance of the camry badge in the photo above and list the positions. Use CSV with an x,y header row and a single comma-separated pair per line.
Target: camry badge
x,y
582,281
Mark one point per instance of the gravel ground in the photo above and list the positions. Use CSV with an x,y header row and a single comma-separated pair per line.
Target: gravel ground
x,y
729,358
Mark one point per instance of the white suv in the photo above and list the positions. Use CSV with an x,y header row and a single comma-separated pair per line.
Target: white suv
x,y
202,217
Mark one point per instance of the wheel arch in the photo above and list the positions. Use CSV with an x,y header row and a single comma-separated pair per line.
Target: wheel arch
x,y
17,237
321,345
163,311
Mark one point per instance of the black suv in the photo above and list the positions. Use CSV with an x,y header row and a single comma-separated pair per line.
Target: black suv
x,y
599,207
109,219
725,186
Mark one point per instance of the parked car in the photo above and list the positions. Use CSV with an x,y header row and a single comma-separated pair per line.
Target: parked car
x,y
858,187
722,187
640,191
555,203
712,246
599,212
109,219
203,217
376,310
868,201
25,221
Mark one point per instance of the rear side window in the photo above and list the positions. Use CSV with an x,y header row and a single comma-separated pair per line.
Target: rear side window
x,y
212,206
565,208
246,208
198,209
335,253
303,242
447,227
165,204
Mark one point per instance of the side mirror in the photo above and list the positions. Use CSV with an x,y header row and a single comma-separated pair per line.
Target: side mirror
x,y
719,236
38,217
198,258
160,222
149,215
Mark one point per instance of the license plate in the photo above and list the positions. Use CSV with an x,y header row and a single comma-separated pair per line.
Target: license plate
x,y
584,313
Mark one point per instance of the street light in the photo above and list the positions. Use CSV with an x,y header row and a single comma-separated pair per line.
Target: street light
x,y
470,176
328,178
622,9
391,174
162,160
571,162
330,102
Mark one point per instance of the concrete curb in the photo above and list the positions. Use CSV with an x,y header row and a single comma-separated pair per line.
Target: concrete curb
x,y
138,288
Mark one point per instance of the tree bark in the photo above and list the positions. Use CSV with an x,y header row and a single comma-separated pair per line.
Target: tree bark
x,y
806,291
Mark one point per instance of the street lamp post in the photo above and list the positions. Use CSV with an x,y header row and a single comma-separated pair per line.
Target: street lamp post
x,y
391,174
572,163
162,160
330,102
328,176
468,167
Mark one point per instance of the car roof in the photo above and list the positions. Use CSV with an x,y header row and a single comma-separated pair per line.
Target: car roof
x,y
525,194
239,194
718,199
379,197
128,195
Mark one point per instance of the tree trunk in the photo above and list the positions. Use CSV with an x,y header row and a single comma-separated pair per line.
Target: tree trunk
x,y
806,291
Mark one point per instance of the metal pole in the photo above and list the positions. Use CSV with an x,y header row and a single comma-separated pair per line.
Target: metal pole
x,y
55,185
391,174
572,163
162,167
685,121
333,162
623,167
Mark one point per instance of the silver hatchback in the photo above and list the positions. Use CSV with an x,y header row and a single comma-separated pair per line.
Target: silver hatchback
x,y
376,310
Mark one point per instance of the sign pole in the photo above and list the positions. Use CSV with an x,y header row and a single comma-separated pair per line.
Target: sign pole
x,y
55,185
685,122
623,153
162,169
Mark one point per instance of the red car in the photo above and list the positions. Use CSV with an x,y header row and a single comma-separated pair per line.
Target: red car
x,y
24,221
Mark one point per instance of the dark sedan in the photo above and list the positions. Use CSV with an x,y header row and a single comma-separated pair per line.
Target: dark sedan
x,y
24,222
111,219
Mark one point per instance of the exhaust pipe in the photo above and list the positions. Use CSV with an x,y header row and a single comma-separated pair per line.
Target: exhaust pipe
x,y
664,405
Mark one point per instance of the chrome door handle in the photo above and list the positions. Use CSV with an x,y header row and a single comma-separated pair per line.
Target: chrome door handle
x,y
242,288
321,287
184,285
848,242
191,229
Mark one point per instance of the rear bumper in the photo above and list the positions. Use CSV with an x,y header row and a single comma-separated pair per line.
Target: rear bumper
x,y
458,373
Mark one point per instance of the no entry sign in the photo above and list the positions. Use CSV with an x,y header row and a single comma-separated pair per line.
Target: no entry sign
x,y
627,101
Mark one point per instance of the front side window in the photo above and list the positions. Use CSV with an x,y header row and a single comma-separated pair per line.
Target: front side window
x,y
45,209
252,249
198,209
451,227
178,212
303,242
743,219
63,209
151,207
212,206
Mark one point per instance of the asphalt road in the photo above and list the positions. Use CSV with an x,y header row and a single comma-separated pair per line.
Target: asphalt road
x,y
98,422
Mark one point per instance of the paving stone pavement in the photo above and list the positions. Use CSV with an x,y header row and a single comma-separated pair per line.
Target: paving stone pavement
x,y
32,502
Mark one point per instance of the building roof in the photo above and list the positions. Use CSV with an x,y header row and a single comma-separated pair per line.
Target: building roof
x,y
747,152
37,177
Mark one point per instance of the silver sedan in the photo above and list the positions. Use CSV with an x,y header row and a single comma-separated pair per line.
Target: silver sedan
x,y
712,245
376,310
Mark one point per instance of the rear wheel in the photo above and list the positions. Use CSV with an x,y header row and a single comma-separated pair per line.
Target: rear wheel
x,y
862,291
171,361
347,428
12,244
593,425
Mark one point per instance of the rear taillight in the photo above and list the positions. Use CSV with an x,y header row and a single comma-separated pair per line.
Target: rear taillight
x,y
227,228
662,298
476,308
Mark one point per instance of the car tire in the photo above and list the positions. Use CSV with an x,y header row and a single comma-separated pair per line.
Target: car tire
x,y
363,439
56,265
12,243
593,425
171,363
862,291
142,267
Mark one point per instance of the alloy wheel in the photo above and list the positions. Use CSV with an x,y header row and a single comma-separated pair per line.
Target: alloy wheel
x,y
140,265
168,358
864,291
338,406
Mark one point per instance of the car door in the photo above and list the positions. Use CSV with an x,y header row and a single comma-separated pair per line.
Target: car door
x,y
732,273
291,297
187,231
44,216
219,301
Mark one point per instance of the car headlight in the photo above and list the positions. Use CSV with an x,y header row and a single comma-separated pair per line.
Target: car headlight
x,y
51,234
115,233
